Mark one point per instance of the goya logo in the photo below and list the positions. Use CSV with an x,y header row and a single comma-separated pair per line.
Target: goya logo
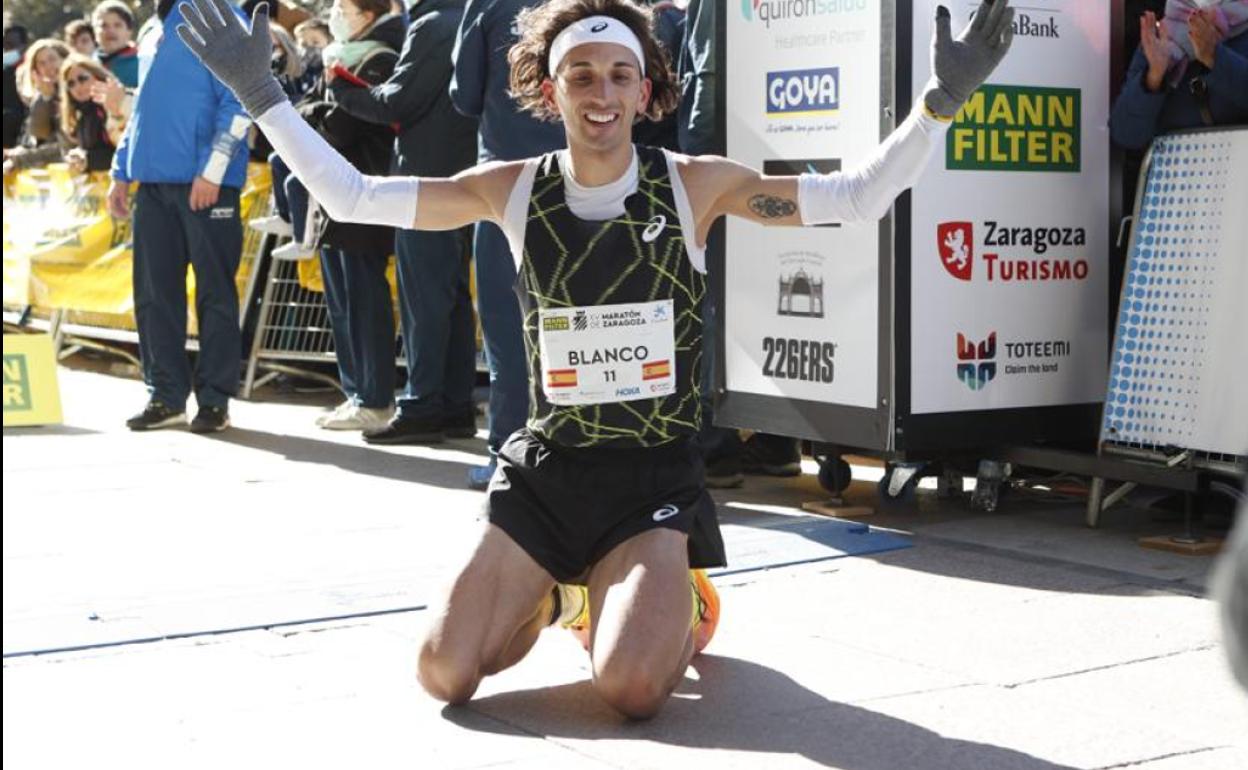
x,y
16,384
976,366
803,92
768,11
1016,128
956,243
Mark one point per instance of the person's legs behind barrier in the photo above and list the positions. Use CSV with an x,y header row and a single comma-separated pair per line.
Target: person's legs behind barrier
x,y
159,281
501,326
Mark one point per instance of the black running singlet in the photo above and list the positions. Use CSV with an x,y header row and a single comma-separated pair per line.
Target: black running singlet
x,y
634,258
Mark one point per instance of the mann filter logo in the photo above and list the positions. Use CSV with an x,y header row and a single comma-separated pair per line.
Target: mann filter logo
x,y
1013,253
801,294
16,384
768,11
955,242
1016,128
555,324
803,92
976,364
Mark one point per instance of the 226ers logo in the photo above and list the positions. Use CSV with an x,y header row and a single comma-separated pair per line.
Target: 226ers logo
x,y
955,241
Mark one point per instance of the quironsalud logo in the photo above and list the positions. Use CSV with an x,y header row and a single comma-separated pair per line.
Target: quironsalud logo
x,y
768,11
976,364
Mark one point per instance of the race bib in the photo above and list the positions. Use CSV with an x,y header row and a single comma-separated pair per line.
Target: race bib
x,y
607,353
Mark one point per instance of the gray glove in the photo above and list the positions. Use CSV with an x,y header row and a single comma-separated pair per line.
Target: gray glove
x,y
962,65
239,59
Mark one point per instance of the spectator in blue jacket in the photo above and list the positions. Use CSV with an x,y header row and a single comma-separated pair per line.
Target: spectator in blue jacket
x,y
186,146
479,89
113,22
435,304
1190,70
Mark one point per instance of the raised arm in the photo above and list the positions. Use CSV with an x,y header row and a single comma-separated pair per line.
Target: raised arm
x,y
239,58
718,186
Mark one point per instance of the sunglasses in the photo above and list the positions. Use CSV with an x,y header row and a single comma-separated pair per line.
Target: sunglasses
x,y
80,80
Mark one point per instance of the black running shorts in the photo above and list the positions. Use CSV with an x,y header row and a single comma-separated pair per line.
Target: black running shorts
x,y
567,508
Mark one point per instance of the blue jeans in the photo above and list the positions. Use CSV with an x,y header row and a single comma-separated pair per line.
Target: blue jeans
x,y
436,310
502,327
168,236
290,197
362,318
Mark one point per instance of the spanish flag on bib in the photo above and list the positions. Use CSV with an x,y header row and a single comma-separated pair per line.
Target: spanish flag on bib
x,y
656,369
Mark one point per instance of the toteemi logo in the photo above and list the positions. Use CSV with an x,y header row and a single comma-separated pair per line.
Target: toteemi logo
x,y
955,242
976,364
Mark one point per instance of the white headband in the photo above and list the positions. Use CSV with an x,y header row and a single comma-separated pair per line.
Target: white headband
x,y
594,29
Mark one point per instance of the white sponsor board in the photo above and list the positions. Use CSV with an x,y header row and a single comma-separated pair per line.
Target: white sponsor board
x,y
1180,363
801,306
1009,245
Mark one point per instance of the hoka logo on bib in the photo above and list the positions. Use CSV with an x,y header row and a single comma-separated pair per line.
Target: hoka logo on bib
x,y
768,11
803,92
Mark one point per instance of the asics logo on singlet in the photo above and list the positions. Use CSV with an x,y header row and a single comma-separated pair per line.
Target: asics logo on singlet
x,y
666,512
653,228
599,27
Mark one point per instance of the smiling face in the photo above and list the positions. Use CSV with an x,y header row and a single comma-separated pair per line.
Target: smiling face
x,y
48,63
78,82
598,92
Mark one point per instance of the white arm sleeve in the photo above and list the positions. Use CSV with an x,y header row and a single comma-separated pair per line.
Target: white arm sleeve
x,y
865,193
344,193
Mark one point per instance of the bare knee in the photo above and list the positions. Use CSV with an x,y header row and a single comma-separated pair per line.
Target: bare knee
x,y
635,691
446,676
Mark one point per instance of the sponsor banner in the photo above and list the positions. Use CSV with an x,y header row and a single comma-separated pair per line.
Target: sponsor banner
x,y
31,393
801,304
1009,245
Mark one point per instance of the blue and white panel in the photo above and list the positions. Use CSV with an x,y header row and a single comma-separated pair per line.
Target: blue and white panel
x,y
1179,374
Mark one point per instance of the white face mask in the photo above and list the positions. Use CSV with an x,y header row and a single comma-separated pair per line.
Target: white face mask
x,y
339,27
11,57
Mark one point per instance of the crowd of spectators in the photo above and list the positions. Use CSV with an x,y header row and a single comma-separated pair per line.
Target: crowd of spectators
x,y
420,90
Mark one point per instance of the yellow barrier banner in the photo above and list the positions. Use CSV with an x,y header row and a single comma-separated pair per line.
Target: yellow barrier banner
x,y
64,251
31,393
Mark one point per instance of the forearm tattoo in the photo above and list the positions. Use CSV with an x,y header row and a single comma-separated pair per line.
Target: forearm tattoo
x,y
772,207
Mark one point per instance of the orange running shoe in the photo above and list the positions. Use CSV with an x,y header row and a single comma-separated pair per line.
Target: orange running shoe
x,y
706,609
575,598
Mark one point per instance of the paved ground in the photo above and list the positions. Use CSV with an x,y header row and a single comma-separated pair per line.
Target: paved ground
x,y
1014,640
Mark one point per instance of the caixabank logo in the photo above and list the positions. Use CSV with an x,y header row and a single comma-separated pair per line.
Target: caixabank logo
x,y
767,11
801,93
1017,128
976,360
1012,253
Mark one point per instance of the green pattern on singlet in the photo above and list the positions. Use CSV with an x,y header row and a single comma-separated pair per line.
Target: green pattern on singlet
x,y
570,262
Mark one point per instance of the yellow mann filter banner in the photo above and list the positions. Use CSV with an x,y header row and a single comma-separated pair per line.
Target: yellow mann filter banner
x,y
62,249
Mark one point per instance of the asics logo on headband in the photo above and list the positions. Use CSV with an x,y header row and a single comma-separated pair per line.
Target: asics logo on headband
x,y
594,29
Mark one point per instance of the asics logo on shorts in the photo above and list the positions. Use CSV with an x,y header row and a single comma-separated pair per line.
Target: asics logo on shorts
x,y
653,228
666,512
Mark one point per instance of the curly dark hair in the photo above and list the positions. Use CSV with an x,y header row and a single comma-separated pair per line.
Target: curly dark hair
x,y
540,24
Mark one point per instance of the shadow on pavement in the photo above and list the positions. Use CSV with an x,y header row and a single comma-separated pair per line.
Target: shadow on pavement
x,y
369,461
50,430
737,705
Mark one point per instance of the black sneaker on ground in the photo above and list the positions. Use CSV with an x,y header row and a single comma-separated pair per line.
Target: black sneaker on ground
x,y
461,424
767,455
156,416
211,419
408,430
724,472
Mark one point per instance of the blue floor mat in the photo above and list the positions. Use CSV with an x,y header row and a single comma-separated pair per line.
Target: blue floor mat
x,y
809,540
